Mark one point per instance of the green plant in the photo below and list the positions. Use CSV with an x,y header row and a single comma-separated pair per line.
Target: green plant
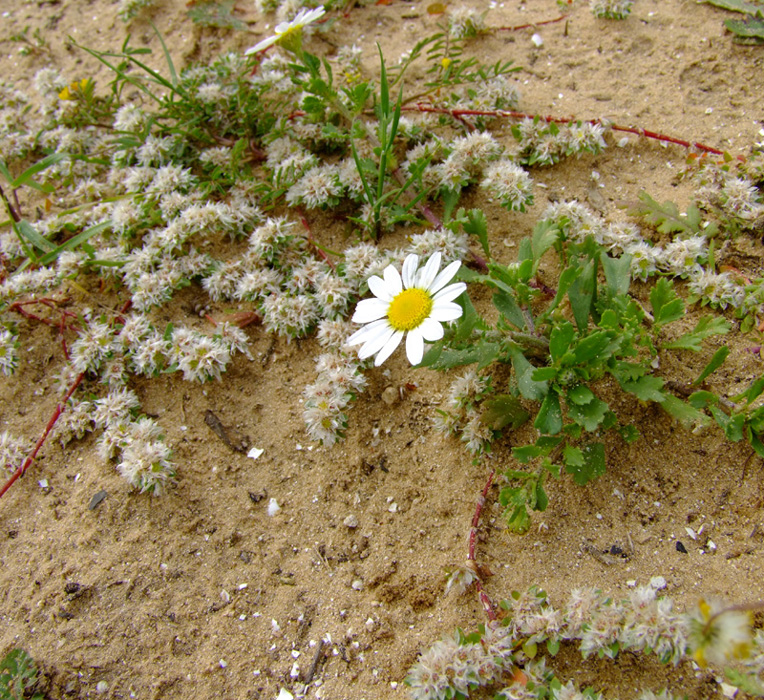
x,y
18,676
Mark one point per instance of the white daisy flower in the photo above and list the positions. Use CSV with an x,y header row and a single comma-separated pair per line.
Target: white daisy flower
x,y
416,305
292,29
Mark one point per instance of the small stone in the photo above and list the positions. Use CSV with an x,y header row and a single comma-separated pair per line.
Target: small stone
x,y
537,41
357,585
273,507
102,687
680,547
390,395
658,583
350,522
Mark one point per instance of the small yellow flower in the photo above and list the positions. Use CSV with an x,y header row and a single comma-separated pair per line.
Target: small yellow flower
x,y
445,62
76,89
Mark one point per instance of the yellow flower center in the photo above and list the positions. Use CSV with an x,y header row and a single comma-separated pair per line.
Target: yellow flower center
x,y
409,309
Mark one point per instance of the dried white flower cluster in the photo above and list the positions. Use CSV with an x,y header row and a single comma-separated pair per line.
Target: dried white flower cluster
x,y
681,257
464,22
461,412
643,622
129,9
13,451
611,9
545,143
9,357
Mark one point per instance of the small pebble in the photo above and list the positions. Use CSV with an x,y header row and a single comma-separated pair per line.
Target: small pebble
x,y
658,583
537,41
390,395
351,522
680,547
102,687
273,507
357,585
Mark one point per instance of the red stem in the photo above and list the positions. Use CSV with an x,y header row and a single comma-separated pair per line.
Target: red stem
x,y
30,457
459,113
484,599
530,24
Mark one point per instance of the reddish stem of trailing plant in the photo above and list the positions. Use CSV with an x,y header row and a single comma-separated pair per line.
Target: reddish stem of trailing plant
x,y
21,470
459,114
530,24
60,408
484,599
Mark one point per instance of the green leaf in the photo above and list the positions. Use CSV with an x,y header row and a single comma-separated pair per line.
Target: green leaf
x,y
519,521
580,395
748,30
29,232
682,411
79,240
617,273
503,410
508,308
647,388
706,327
731,425
716,361
544,374
589,415
750,8
756,443
581,295
545,234
667,306
469,320
542,500
26,177
560,340
476,225
543,446
702,399
665,217
628,433
483,353
597,346
529,388
585,464
753,392
549,418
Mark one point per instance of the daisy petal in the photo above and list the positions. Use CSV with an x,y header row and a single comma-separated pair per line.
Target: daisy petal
x,y
410,265
431,330
369,310
371,347
368,332
444,276
415,346
446,312
430,270
388,348
393,283
378,288
449,293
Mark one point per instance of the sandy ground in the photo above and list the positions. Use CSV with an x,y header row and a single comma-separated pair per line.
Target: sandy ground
x,y
200,594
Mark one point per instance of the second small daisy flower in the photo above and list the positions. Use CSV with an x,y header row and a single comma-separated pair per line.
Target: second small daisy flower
x,y
415,303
